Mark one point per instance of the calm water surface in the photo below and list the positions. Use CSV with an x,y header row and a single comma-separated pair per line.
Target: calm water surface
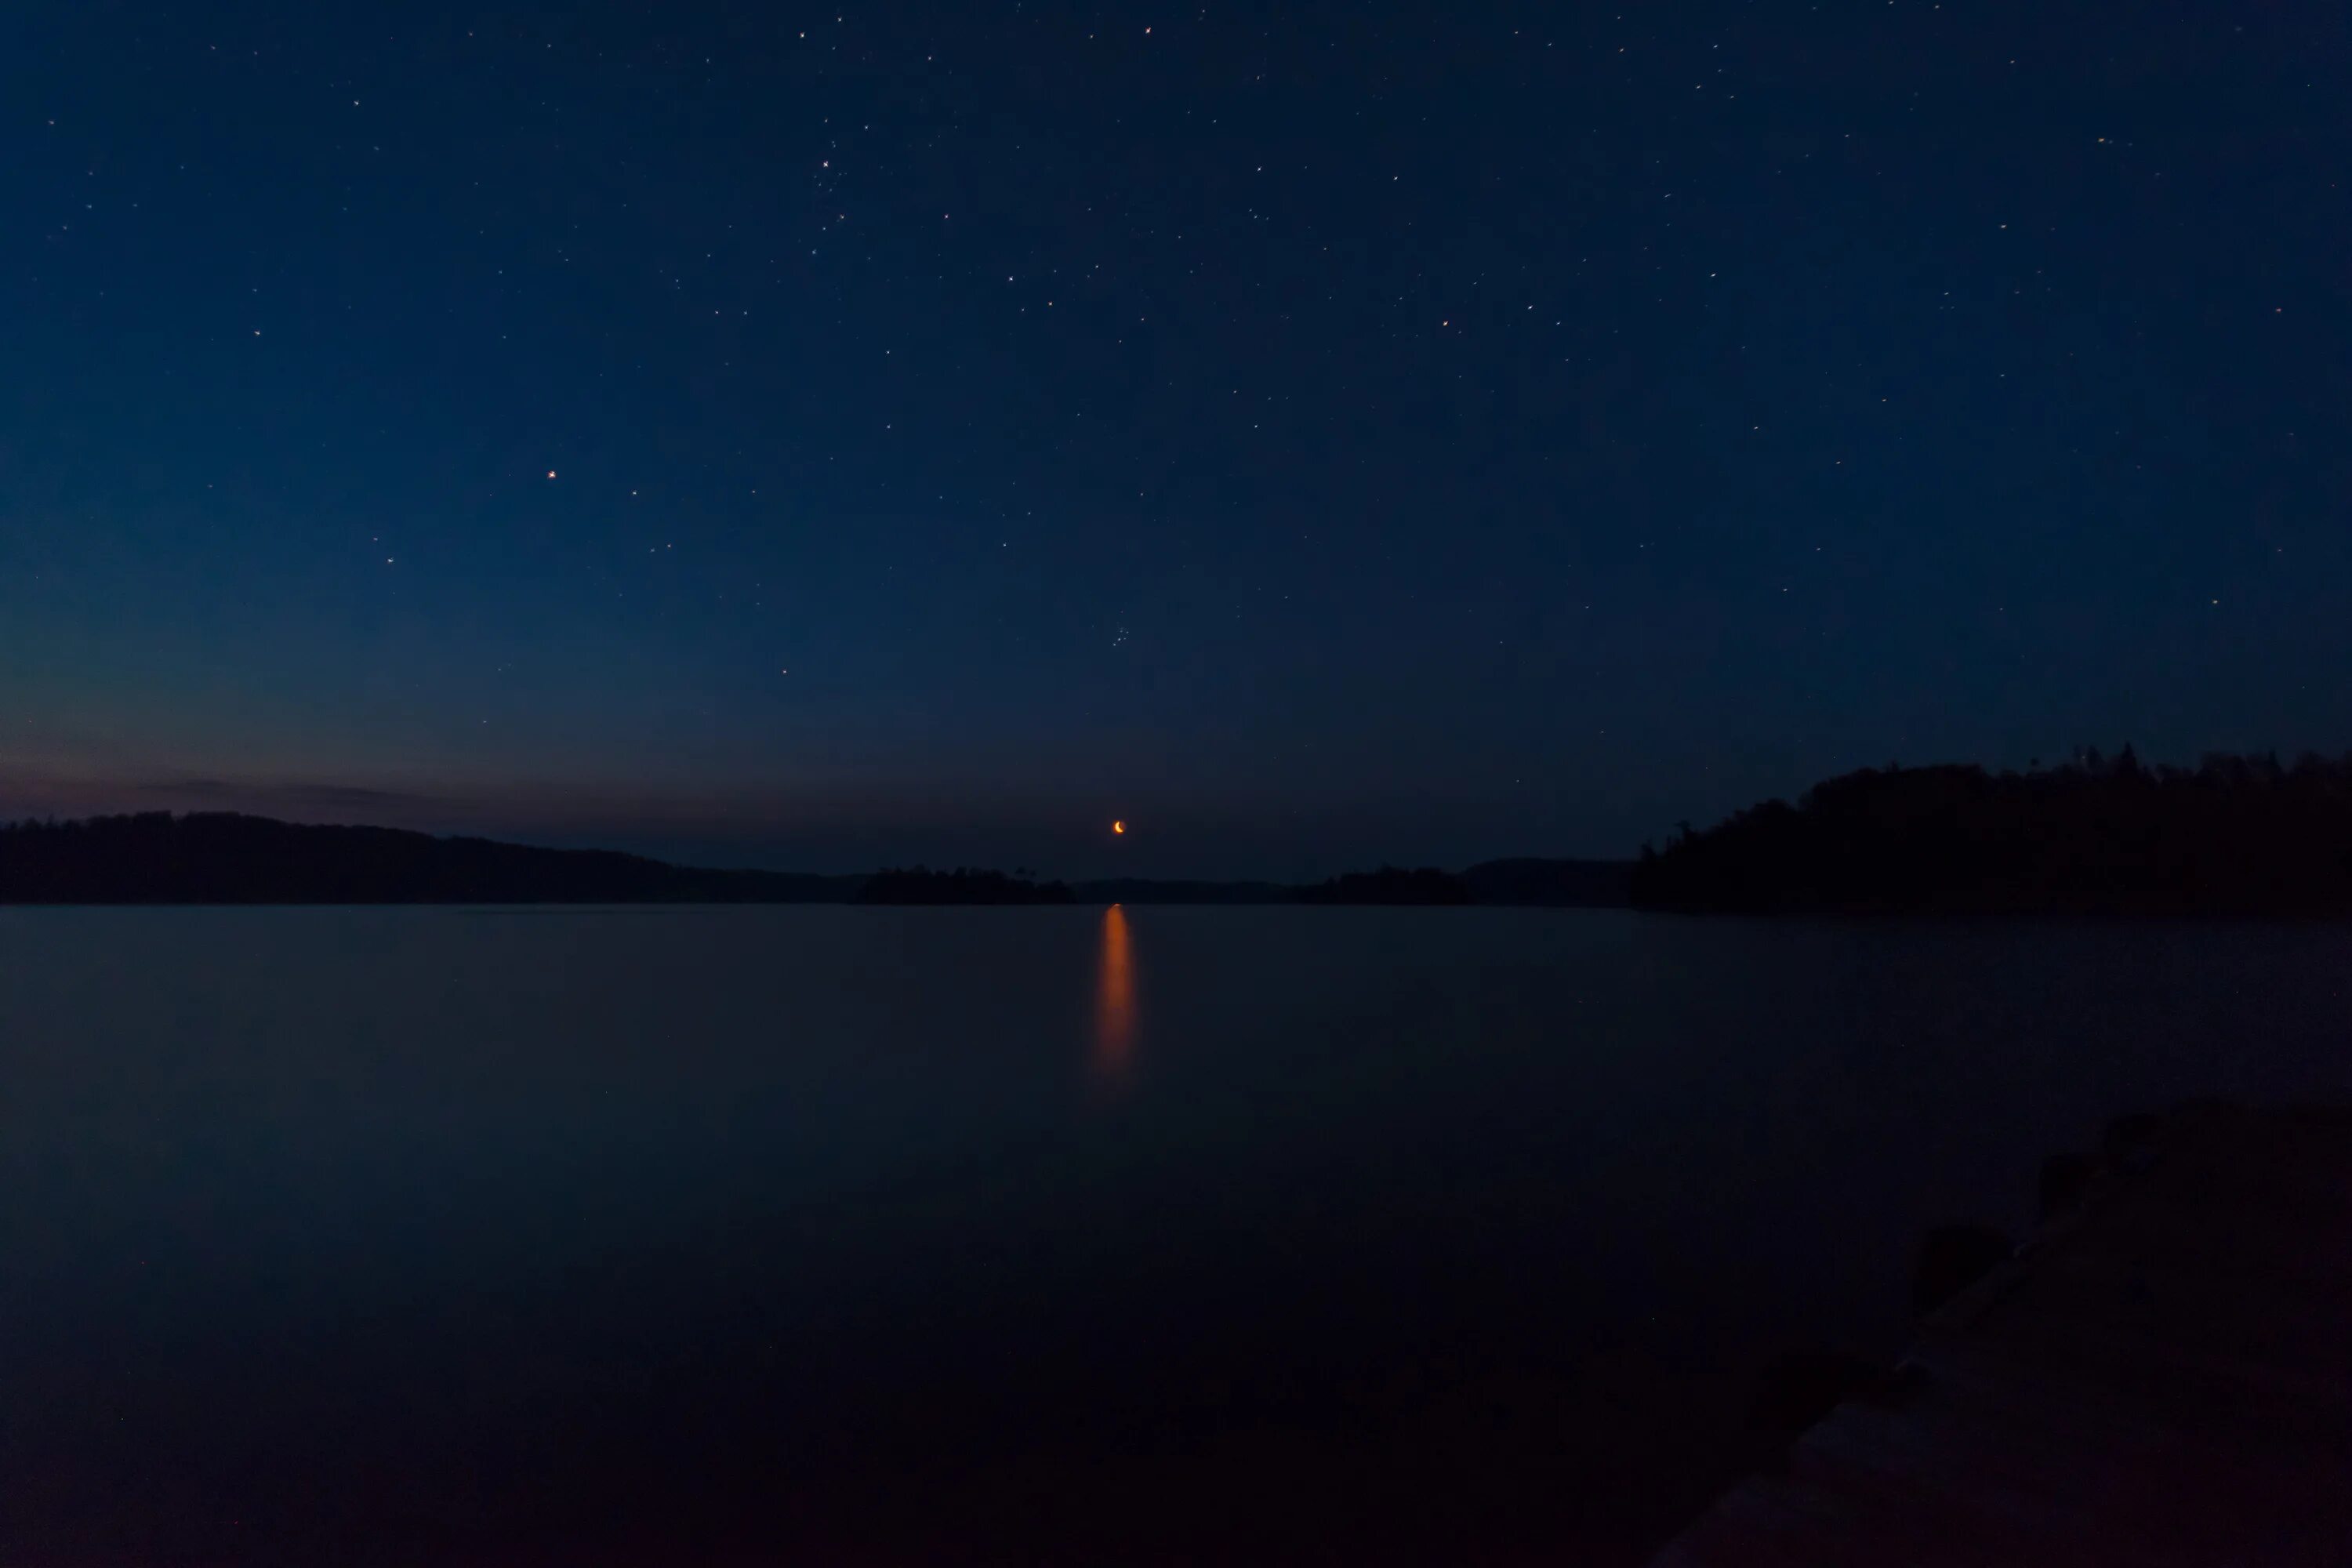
x,y
870,1236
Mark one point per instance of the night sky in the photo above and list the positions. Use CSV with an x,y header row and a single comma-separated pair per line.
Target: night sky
x,y
1317,435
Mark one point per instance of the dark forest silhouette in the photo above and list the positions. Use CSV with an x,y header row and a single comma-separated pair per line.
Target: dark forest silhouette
x,y
2236,835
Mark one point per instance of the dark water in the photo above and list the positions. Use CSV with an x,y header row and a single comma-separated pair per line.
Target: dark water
x,y
827,1235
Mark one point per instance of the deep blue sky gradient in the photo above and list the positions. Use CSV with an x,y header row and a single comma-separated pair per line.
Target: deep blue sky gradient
x,y
1317,434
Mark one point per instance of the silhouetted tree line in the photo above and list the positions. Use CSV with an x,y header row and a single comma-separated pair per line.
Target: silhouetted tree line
x,y
223,857
1389,885
2237,835
964,885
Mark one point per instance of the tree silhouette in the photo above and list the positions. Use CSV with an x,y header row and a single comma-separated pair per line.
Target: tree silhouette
x,y
2238,834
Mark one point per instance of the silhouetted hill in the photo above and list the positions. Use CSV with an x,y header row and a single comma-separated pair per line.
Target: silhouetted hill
x,y
1389,885
220,857
1590,884
2237,836
223,857
961,886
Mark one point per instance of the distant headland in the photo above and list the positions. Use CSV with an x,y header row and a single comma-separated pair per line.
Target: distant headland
x,y
224,858
2235,835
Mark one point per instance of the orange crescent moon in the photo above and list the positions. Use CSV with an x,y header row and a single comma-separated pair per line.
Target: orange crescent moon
x,y
1118,827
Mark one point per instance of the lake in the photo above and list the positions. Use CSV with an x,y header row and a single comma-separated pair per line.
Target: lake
x,y
836,1235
